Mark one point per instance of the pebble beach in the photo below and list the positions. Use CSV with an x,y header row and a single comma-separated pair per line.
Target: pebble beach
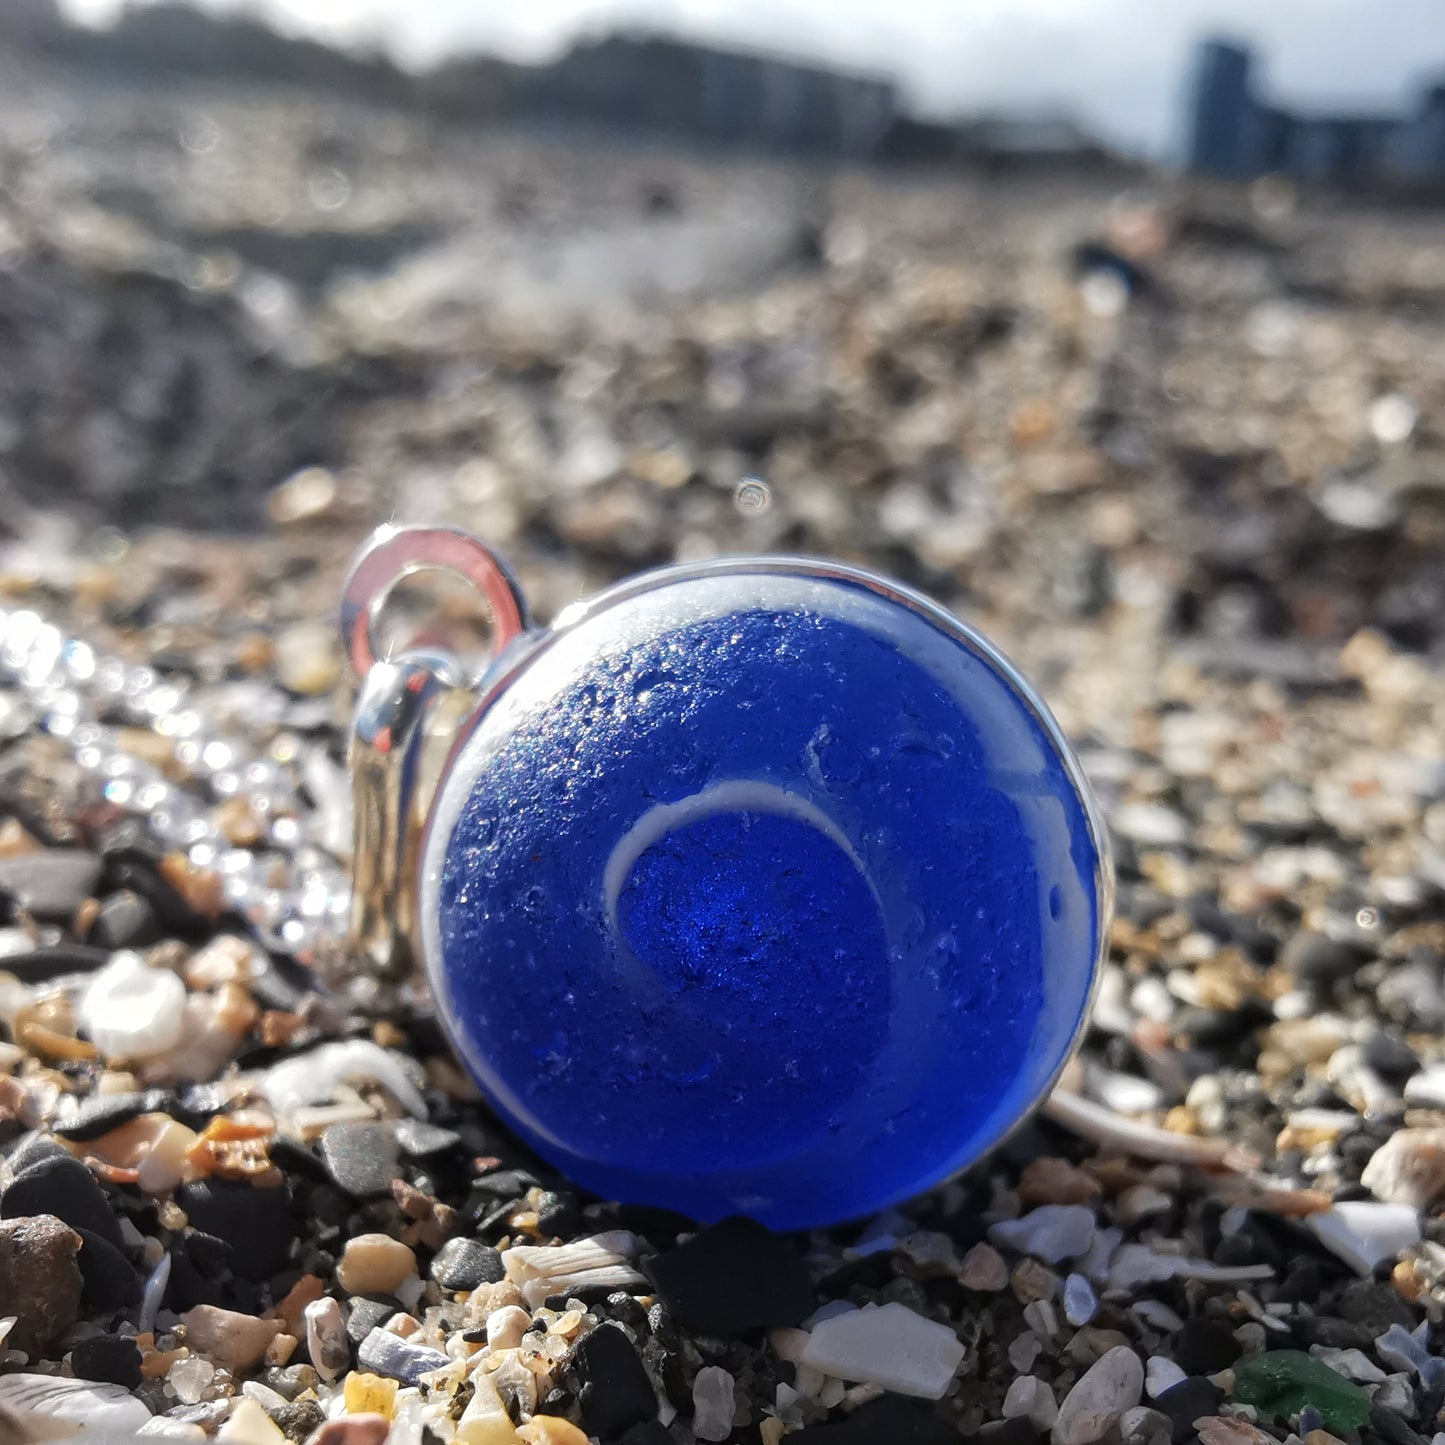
x,y
1179,451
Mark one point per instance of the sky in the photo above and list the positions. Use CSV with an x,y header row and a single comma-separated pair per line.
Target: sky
x,y
1115,65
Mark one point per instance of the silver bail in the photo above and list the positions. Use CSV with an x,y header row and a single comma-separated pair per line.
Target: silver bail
x,y
408,710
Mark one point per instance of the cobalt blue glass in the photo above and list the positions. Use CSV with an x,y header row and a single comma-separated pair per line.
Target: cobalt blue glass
x,y
762,886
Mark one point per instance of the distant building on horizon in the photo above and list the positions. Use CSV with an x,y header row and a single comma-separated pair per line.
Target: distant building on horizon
x,y
1234,134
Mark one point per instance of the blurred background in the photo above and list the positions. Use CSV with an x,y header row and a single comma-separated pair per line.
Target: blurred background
x,y
1119,331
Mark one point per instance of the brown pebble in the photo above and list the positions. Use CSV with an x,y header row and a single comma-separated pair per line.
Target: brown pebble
x,y
984,1269
40,1281
374,1264
352,1430
1408,1281
550,1430
237,1342
14,840
292,1309
203,889
1056,1181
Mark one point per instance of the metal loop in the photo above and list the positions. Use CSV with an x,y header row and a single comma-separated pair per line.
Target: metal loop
x,y
394,553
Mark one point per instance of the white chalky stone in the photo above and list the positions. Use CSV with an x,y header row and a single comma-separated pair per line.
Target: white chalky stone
x,y
1161,1375
132,1011
1052,1232
1111,1385
712,1403
888,1345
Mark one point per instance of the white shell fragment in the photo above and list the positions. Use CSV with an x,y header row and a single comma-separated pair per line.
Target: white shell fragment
x,y
1408,1168
102,1406
1364,1233
888,1345
541,1270
313,1078
132,1011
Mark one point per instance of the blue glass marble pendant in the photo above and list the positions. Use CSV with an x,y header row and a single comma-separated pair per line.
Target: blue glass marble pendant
x,y
757,886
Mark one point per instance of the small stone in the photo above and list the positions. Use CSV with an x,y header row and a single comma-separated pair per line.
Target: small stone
x,y
731,1277
505,1327
1352,1364
1056,1181
191,1379
891,1420
1190,1400
249,1424
1111,1385
361,1158
1229,1430
984,1269
395,1358
125,920
616,1392
1395,1394
1204,1347
234,1341
465,1263
52,884
302,497
368,1394
1281,1383
255,1221
1052,1232
374,1264
307,658
1030,1398
552,1430
353,1430
1365,1234
1080,1300
313,1077
712,1403
1408,1168
888,1345
61,1185
132,1011
107,1359
1161,1375
420,1140
326,1339
1314,959
1407,1350
1145,1426
40,1281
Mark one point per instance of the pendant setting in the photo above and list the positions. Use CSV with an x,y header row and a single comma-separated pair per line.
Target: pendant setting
x,y
761,885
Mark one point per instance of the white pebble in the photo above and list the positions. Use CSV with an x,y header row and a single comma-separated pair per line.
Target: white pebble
x,y
1052,1232
506,1326
1111,1385
1408,1168
1396,1394
1080,1301
1364,1234
1352,1364
888,1345
1161,1375
326,1339
712,1403
132,1011
1426,1090
1029,1398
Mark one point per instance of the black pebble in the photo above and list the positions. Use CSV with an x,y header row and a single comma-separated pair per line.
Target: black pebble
x,y
1389,1427
30,1149
731,1277
108,1279
1187,1402
559,1402
56,960
897,1421
1386,1051
419,1141
297,1421
368,1314
1204,1347
101,1113
464,1264
52,884
110,1359
626,1309
616,1392
293,1157
650,1432
1018,1431
558,1214
1314,959
125,920
256,1223
64,1187
361,1158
